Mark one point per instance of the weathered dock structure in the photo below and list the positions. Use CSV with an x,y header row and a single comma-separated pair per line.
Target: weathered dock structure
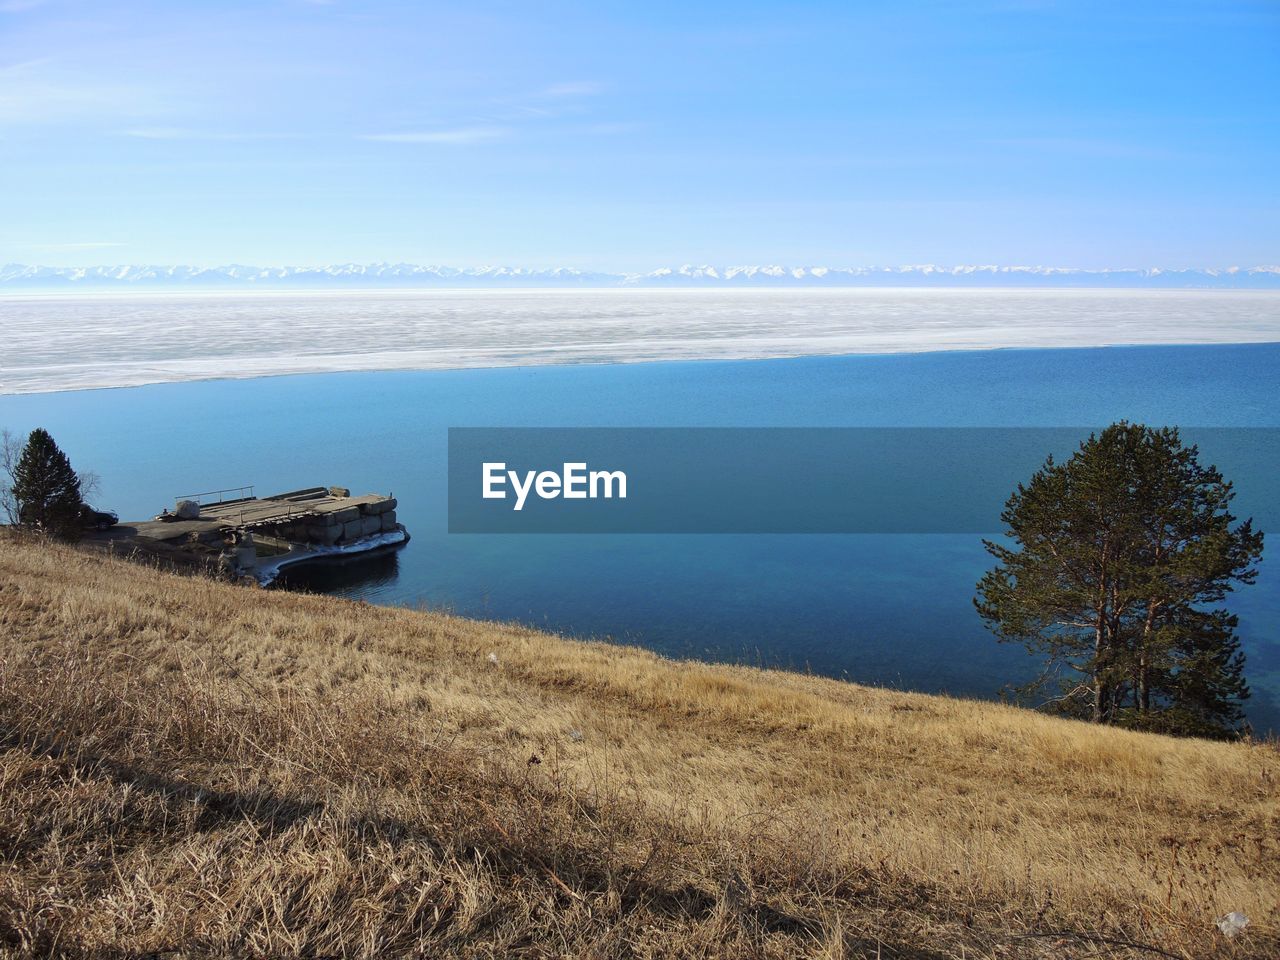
x,y
322,516
246,535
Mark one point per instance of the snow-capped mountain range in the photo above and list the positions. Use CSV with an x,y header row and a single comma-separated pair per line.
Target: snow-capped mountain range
x,y
406,275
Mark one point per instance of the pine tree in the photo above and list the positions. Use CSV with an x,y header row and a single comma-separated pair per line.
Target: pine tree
x,y
46,489
1198,685
1120,553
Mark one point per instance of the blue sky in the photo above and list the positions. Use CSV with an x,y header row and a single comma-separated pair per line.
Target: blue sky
x,y
627,136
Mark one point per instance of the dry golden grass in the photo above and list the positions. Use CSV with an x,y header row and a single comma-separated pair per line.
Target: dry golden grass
x,y
192,768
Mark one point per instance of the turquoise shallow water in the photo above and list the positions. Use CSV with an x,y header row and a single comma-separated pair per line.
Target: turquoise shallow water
x,y
888,609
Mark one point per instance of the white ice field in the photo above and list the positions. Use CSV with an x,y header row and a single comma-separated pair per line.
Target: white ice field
x,y
58,342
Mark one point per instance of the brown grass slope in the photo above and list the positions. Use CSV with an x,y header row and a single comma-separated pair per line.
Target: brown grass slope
x,y
195,769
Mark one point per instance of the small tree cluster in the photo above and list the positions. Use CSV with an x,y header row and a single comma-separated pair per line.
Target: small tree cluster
x,y
1121,554
42,491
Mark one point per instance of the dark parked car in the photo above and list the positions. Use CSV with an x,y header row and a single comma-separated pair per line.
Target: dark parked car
x,y
98,519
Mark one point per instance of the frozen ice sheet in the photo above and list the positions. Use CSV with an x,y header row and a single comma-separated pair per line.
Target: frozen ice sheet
x,y
77,342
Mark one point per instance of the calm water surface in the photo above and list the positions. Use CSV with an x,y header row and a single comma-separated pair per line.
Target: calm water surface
x,y
883,609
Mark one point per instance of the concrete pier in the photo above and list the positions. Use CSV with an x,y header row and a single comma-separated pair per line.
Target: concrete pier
x,y
248,534
323,516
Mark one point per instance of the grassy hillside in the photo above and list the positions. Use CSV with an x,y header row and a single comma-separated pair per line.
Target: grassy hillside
x,y
205,769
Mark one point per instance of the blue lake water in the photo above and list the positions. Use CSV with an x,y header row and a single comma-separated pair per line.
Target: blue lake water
x,y
885,609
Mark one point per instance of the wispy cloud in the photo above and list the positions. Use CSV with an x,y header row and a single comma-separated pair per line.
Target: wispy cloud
x,y
45,91
1083,147
549,102
540,106
581,88
191,133
458,136
69,245
20,6
615,128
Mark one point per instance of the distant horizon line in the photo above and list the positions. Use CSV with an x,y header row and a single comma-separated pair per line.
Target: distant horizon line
x,y
377,275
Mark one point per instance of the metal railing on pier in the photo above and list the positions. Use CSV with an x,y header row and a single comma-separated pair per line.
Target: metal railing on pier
x,y
240,494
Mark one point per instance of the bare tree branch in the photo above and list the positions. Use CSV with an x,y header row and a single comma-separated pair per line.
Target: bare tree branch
x,y
90,484
10,452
